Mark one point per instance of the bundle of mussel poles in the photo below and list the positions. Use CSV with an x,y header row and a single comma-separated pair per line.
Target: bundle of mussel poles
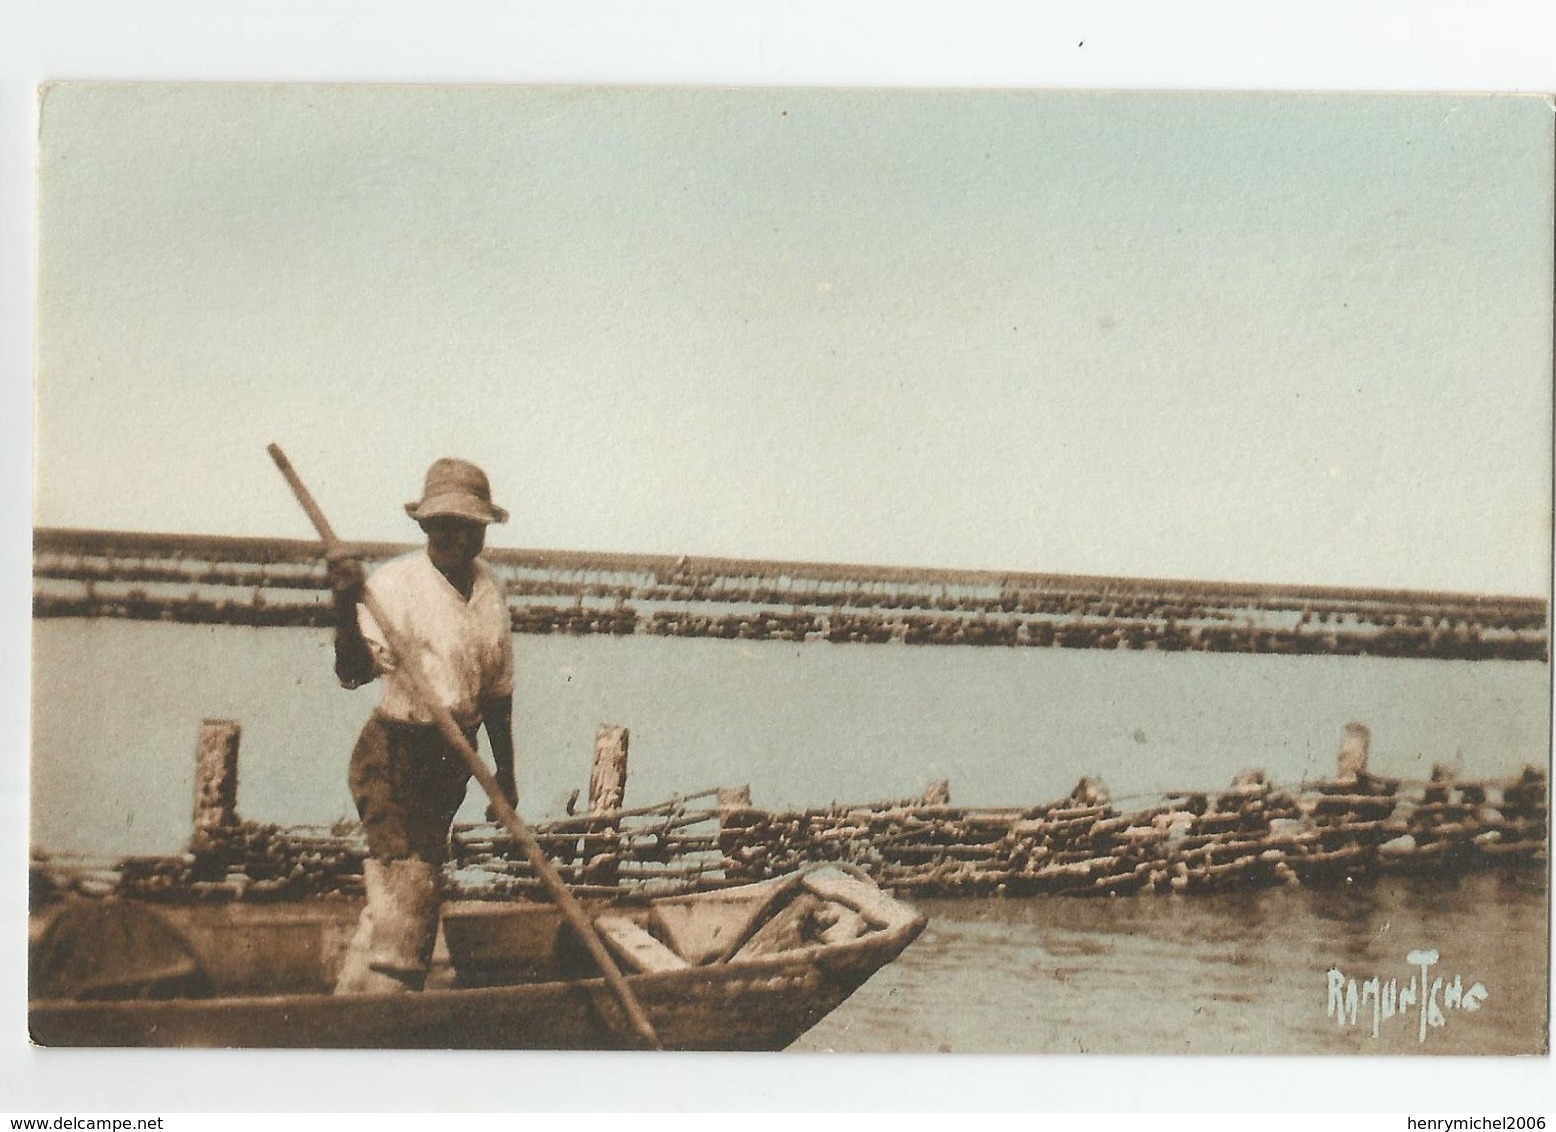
x,y
669,847
1252,833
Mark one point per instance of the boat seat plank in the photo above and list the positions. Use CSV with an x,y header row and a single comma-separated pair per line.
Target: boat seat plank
x,y
632,944
878,909
703,933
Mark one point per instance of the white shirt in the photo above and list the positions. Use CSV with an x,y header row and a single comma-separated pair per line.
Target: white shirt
x,y
465,647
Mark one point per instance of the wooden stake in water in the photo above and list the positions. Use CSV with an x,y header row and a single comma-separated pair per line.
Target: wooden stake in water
x,y
607,792
409,665
1354,744
608,779
216,780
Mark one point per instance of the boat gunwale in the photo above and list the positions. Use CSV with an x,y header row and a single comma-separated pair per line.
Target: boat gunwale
x,y
891,939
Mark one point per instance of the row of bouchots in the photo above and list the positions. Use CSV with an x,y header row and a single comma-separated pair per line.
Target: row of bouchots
x,y
840,627
1127,601
668,846
1250,834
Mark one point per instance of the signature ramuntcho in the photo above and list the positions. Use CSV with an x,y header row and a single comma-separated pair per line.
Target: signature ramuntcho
x,y
1431,996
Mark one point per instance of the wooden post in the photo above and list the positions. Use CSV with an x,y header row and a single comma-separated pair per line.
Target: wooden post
x,y
216,780
608,779
734,819
607,791
1354,743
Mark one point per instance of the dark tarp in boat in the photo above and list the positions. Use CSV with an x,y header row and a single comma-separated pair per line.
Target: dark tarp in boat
x,y
113,949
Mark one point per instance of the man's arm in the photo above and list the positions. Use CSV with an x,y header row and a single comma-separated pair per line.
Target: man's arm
x,y
498,716
354,664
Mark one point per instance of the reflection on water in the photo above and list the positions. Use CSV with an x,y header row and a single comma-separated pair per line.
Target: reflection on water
x,y
1235,973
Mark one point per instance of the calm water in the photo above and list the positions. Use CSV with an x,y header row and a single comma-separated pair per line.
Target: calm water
x,y
117,705
1236,973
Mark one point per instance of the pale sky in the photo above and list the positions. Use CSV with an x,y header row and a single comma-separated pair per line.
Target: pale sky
x,y
1300,338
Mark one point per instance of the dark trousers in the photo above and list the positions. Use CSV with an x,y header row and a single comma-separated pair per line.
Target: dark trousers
x,y
408,784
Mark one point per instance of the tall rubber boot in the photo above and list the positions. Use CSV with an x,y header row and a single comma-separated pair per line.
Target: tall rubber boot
x,y
356,973
405,922
391,951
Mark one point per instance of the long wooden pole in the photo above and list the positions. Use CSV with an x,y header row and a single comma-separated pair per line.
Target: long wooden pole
x,y
410,666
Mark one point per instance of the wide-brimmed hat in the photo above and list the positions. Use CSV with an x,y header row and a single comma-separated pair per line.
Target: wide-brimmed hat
x,y
456,487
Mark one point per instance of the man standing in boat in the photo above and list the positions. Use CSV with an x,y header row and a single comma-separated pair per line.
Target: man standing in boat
x,y
406,779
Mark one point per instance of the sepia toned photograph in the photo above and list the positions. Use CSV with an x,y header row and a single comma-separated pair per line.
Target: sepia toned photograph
x,y
896,571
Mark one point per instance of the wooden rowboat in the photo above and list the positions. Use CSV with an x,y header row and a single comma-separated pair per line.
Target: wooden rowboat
x,y
746,968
